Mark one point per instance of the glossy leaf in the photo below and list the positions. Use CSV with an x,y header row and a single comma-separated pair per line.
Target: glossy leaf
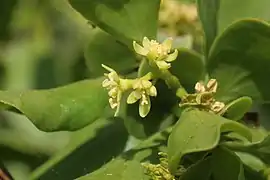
x,y
89,148
240,61
208,12
69,107
198,131
231,11
251,161
236,109
126,20
226,165
104,49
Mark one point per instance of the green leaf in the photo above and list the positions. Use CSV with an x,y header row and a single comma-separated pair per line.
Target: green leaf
x,y
69,107
198,131
188,68
126,20
199,170
231,11
259,149
208,12
89,148
251,161
240,61
104,49
226,165
127,166
236,109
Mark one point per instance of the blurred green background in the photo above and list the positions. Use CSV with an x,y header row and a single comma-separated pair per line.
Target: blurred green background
x,y
42,45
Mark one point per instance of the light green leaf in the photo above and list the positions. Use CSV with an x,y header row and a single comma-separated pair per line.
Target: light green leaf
x,y
226,165
208,12
104,49
198,131
69,107
89,148
126,20
236,109
240,61
259,149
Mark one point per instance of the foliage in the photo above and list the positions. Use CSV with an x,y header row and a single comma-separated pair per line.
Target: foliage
x,y
158,96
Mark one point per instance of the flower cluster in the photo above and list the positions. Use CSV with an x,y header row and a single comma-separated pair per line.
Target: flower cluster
x,y
112,84
204,97
161,171
160,54
142,89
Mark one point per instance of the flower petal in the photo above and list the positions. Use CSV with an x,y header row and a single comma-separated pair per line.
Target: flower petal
x,y
107,68
133,97
146,84
212,85
152,91
139,49
144,109
167,44
163,65
199,87
146,42
171,57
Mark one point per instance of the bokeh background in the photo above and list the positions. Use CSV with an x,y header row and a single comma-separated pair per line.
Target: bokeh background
x,y
42,45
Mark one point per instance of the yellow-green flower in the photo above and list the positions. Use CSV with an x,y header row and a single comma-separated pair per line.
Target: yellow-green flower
x,y
211,86
159,53
143,89
112,84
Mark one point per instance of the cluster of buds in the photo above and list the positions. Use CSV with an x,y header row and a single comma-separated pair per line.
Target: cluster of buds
x,y
157,53
161,171
142,90
203,98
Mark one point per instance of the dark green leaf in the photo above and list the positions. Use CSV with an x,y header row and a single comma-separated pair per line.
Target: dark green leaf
x,y
6,12
69,107
200,170
208,12
198,131
226,165
126,20
103,49
240,61
88,148
188,67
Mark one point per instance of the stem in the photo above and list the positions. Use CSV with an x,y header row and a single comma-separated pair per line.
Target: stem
x,y
171,80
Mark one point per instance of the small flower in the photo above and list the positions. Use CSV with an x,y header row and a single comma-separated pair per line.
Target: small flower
x,y
159,53
112,84
210,87
217,106
142,90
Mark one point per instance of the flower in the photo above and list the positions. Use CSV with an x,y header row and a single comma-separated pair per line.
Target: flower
x,y
112,84
142,90
159,53
204,97
210,87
